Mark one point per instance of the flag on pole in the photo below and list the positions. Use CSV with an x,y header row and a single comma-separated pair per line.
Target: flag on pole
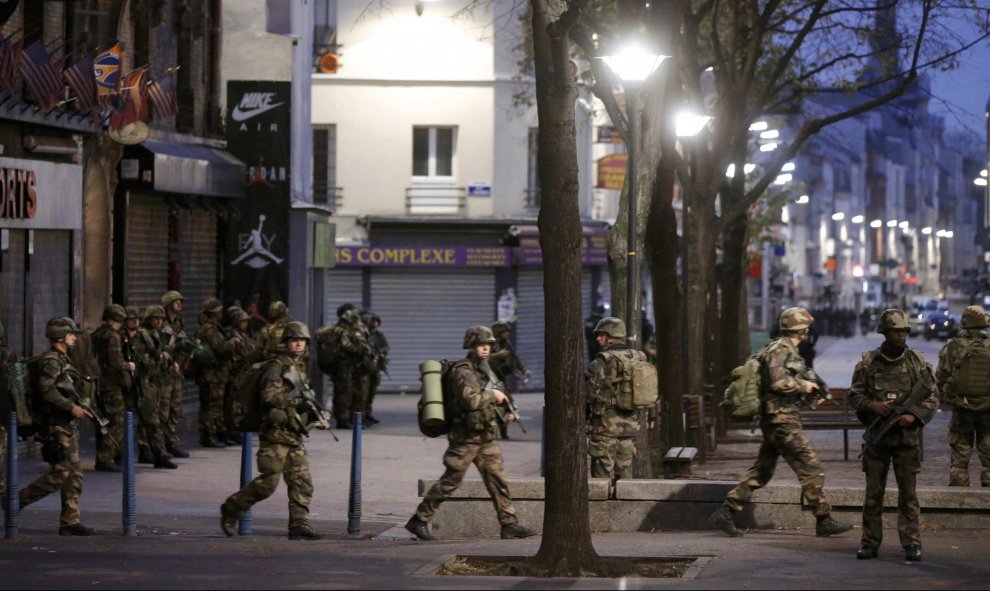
x,y
79,77
131,104
9,56
40,76
106,74
161,95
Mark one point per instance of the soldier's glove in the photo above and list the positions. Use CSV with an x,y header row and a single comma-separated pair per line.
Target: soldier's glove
x,y
879,408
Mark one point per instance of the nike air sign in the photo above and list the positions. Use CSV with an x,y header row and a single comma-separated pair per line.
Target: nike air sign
x,y
253,104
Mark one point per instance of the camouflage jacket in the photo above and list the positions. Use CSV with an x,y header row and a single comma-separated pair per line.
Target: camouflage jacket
x,y
107,344
948,358
148,350
879,377
782,387
379,345
248,352
53,367
223,346
282,420
504,360
603,380
351,345
473,382
270,338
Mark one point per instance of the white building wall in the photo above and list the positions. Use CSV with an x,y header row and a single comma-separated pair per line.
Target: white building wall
x,y
249,53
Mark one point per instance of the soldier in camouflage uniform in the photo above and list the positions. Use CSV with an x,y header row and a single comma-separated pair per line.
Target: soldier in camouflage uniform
x,y
611,430
379,345
235,324
128,337
883,376
970,400
473,439
171,402
784,390
270,335
213,379
61,434
116,374
153,364
281,452
351,368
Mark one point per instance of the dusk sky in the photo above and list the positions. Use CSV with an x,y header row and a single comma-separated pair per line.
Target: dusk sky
x,y
961,95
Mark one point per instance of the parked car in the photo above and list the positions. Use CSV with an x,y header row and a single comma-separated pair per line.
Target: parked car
x,y
918,321
941,325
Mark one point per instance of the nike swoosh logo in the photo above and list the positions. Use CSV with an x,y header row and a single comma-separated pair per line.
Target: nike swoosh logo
x,y
239,115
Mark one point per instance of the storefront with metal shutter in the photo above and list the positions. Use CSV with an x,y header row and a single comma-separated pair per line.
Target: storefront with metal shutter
x,y
193,258
145,264
425,313
343,286
40,228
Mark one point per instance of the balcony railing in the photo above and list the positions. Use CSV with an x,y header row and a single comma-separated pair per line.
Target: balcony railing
x,y
435,199
331,197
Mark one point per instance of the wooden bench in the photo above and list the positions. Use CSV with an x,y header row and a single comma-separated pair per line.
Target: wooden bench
x,y
832,416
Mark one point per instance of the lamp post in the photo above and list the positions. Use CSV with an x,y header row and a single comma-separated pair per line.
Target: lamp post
x,y
633,65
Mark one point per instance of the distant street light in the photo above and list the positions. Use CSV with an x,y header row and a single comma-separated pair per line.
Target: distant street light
x,y
926,230
689,124
633,65
876,223
892,224
838,216
858,219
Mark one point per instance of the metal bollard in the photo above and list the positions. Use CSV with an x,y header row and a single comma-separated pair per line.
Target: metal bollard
x,y
128,513
12,516
244,525
354,498
543,443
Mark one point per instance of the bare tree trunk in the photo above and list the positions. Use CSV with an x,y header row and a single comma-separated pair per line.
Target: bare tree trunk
x,y
734,324
566,548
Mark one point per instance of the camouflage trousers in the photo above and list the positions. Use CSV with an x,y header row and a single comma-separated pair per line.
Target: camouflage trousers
x,y
350,387
111,403
966,428
151,422
784,439
64,477
211,408
876,464
457,459
170,409
611,457
275,461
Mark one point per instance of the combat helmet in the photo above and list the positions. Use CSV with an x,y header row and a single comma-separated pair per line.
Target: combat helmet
x,y
478,335
612,326
212,306
351,316
133,313
341,309
58,328
153,311
234,314
500,327
170,296
114,312
974,317
893,319
796,318
295,330
277,309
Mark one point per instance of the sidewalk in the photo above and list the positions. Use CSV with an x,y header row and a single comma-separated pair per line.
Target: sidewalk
x,y
180,544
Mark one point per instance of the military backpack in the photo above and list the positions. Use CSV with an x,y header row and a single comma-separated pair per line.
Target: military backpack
x,y
450,409
16,383
741,398
327,348
638,385
242,409
972,372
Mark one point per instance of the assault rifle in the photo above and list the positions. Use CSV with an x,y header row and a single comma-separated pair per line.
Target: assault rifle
x,y
321,417
505,411
66,386
902,406
380,360
181,343
823,392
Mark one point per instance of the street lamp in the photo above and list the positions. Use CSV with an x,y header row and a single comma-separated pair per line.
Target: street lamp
x,y
633,65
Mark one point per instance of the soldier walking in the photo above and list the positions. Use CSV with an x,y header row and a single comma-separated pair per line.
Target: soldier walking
x,y
171,402
963,379
473,440
379,348
883,377
611,430
60,431
212,379
153,363
116,373
784,389
281,452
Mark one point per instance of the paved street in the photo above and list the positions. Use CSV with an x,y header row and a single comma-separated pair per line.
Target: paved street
x,y
180,544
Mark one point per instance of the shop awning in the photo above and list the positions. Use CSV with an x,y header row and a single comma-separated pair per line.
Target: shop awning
x,y
188,169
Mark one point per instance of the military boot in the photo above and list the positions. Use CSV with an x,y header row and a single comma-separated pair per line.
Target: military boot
x,y
76,529
722,519
304,532
176,451
827,526
210,441
419,528
145,456
867,552
912,552
228,521
514,530
163,461
106,467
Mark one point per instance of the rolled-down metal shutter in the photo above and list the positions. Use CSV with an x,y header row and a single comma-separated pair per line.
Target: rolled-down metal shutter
x,y
529,327
50,282
343,286
12,286
196,254
424,315
146,252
